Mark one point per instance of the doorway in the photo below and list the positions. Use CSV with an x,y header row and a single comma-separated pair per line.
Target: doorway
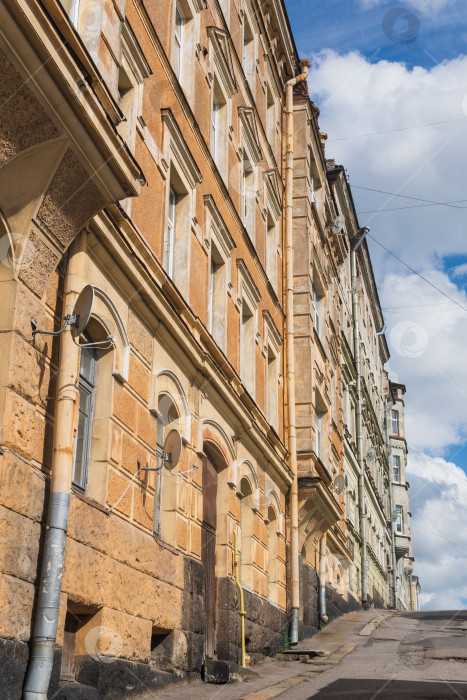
x,y
208,556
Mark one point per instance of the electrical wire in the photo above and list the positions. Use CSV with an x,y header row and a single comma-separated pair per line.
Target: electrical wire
x,y
415,206
405,196
392,131
417,273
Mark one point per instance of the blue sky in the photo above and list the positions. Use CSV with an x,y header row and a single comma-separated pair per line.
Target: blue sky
x,y
366,76
345,25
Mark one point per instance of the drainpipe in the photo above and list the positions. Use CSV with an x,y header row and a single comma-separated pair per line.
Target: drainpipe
x,y
322,580
359,426
411,592
391,507
50,586
292,438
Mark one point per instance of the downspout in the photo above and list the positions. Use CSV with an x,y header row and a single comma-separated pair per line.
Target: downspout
x,y
359,428
241,611
50,586
322,580
289,315
391,509
411,591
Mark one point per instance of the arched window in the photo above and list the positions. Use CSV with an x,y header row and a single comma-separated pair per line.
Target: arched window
x,y
86,389
165,496
272,556
246,529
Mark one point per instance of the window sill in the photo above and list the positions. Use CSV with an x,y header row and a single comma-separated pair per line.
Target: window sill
x,y
90,501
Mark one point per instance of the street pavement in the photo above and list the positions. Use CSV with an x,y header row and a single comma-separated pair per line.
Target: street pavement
x,y
362,656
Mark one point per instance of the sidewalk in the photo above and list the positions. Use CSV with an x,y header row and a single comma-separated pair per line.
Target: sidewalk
x,y
274,677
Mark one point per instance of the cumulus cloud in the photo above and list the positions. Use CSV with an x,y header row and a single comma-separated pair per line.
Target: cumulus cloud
x,y
427,333
438,497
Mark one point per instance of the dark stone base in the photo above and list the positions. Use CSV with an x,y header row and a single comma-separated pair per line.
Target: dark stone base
x,y
264,625
13,662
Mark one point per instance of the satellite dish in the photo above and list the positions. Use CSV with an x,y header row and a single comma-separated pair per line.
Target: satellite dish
x,y
371,455
387,451
338,224
339,484
356,287
394,516
83,310
172,450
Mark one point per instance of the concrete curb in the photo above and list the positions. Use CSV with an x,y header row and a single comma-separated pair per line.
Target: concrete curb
x,y
375,623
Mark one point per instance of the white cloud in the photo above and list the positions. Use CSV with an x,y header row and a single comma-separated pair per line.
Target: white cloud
x,y
438,497
427,7
427,334
426,342
460,270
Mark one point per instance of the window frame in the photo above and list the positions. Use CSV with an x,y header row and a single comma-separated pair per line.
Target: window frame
x,y
399,523
89,387
248,296
396,468
395,422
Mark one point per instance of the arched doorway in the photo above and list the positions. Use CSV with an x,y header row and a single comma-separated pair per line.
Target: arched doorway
x,y
208,552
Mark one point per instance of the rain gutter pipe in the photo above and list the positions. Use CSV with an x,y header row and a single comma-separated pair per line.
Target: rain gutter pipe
x,y
359,427
50,586
322,580
391,509
290,368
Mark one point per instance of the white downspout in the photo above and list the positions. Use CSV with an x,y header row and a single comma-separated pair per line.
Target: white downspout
x,y
290,363
359,426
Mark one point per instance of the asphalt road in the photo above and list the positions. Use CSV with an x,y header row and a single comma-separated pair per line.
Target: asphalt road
x,y
408,656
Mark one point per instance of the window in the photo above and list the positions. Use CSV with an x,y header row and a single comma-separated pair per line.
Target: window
x,y
248,52
170,240
399,521
271,351
316,302
86,389
217,298
270,118
72,9
248,201
272,555
396,468
168,419
319,432
312,187
271,387
247,347
395,422
248,297
182,175
271,250
178,41
247,515
219,129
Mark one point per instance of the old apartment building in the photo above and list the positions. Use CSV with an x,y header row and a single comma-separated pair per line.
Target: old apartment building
x,y
149,464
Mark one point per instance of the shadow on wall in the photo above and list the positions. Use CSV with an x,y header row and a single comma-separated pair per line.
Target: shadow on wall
x,y
387,689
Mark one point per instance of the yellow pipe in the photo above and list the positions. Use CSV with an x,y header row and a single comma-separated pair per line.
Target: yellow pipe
x,y
241,612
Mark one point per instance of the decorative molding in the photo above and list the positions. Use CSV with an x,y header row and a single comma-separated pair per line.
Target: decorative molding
x,y
222,233
223,58
180,149
271,332
250,131
273,191
134,53
246,284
